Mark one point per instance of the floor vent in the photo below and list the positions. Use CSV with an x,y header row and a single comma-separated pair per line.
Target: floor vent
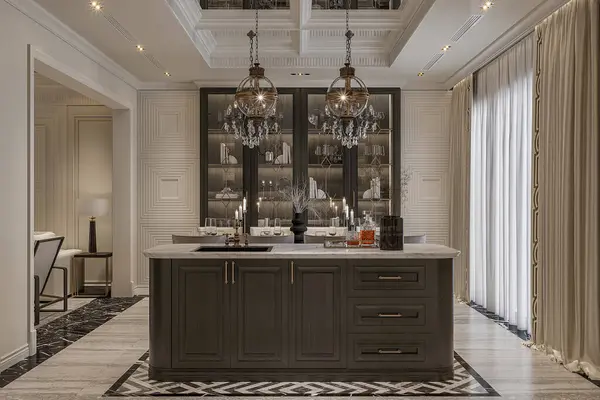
x,y
471,22
432,62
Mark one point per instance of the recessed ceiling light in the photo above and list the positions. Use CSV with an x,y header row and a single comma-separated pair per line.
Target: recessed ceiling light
x,y
96,5
300,73
421,73
167,73
487,5
140,47
446,48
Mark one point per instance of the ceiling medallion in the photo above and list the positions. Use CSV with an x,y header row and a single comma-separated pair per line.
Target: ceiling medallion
x,y
346,99
255,97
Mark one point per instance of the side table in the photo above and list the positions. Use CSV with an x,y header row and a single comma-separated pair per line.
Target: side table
x,y
107,256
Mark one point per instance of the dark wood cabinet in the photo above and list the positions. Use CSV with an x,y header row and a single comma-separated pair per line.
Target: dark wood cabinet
x,y
318,327
259,314
301,320
201,321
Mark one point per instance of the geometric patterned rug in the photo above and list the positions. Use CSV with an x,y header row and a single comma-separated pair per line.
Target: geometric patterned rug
x,y
135,383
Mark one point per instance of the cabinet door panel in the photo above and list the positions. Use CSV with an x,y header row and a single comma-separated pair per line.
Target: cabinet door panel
x,y
200,315
318,326
260,314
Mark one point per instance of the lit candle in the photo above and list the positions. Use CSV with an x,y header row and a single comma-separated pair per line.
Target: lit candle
x,y
344,203
240,213
258,206
237,216
244,205
346,213
351,216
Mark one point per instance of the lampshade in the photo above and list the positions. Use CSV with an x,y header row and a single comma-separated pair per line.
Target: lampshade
x,y
94,206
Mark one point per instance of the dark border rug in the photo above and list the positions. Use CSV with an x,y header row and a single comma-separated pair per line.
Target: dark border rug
x,y
135,383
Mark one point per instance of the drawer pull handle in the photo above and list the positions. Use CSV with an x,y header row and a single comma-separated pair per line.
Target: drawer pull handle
x,y
389,278
390,351
389,315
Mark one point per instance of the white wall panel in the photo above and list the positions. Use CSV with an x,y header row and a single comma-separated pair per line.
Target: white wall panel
x,y
426,152
168,169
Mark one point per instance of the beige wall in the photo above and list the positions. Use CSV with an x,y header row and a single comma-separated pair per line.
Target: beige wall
x,y
426,152
168,170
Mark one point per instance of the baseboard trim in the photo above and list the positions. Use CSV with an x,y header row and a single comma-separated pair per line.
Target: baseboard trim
x,y
14,357
141,290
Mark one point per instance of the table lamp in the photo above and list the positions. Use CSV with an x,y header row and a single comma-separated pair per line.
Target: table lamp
x,y
93,207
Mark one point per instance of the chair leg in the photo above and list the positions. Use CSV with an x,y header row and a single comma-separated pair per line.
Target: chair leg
x,y
65,290
36,299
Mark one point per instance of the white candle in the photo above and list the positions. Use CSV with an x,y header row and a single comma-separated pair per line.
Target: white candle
x,y
237,216
258,206
244,205
346,213
351,216
241,212
344,203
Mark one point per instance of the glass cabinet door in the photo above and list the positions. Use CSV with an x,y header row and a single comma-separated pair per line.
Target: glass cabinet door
x,y
275,167
225,162
325,166
375,162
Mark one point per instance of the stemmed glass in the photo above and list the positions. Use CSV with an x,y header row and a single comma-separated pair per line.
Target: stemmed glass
x,y
333,225
211,226
277,227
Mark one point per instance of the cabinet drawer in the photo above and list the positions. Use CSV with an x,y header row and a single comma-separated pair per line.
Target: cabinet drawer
x,y
391,315
387,351
399,278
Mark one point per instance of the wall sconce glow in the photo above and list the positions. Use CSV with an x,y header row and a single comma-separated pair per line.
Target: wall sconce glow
x,y
140,47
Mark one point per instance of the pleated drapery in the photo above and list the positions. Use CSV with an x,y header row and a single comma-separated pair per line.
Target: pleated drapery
x,y
500,188
566,210
460,158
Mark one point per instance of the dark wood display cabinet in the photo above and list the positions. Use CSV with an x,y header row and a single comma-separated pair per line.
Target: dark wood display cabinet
x,y
363,175
234,318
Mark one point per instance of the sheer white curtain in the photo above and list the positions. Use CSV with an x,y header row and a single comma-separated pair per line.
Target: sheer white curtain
x,y
501,185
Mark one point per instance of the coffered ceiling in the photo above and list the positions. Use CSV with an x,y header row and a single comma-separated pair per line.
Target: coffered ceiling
x,y
183,43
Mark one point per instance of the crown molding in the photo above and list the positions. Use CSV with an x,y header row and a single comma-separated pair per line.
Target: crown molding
x,y
517,32
400,40
187,13
167,86
42,17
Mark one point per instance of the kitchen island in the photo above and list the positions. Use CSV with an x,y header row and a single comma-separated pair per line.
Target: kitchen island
x,y
301,312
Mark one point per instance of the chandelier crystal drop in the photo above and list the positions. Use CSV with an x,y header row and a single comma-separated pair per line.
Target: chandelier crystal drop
x,y
256,96
251,131
348,130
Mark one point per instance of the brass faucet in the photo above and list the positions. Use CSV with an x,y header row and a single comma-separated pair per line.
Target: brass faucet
x,y
236,238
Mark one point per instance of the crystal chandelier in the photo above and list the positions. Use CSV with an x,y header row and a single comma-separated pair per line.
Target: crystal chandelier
x,y
251,134
347,96
348,130
255,97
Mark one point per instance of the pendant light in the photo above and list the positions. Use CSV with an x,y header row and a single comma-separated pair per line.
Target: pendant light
x,y
256,96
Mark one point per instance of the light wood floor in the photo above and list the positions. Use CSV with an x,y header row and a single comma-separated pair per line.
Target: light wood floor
x,y
88,367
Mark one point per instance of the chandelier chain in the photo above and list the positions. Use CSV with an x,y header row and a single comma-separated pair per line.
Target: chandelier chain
x,y
256,30
348,34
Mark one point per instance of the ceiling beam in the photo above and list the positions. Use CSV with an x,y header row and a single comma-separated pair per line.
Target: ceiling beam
x,y
402,36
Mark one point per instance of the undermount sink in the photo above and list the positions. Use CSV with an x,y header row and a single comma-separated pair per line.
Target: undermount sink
x,y
219,249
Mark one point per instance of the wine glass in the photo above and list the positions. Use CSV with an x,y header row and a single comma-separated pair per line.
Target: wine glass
x,y
211,226
277,227
333,225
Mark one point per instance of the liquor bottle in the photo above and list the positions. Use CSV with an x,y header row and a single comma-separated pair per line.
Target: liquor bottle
x,y
367,232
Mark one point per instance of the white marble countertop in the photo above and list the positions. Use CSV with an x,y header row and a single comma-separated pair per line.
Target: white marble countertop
x,y
303,251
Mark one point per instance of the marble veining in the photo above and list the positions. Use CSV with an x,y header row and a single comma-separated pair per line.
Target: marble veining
x,y
64,331
304,251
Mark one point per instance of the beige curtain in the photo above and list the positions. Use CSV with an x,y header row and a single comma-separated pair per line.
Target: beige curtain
x,y
460,147
566,264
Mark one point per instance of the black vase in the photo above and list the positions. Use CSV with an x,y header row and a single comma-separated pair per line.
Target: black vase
x,y
298,227
391,236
